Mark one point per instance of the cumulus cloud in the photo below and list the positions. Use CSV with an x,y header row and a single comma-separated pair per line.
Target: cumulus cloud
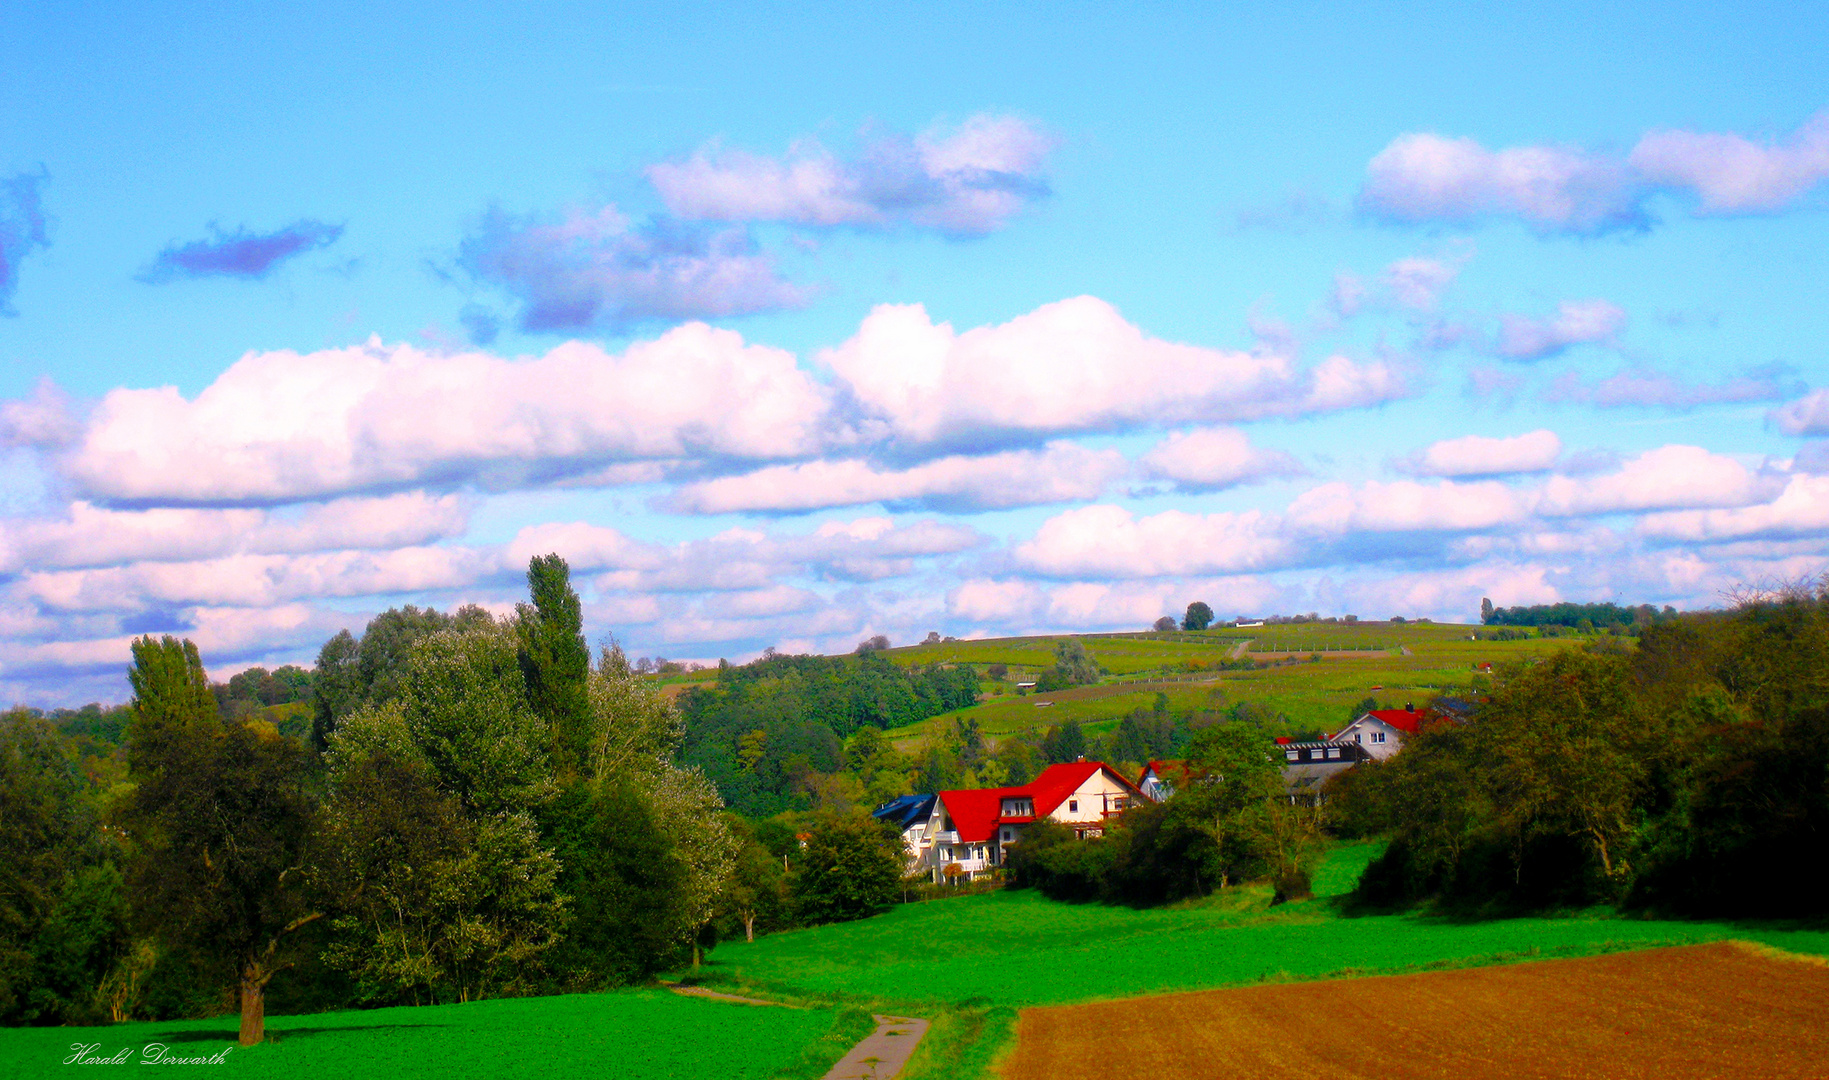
x,y
1648,386
1415,283
1072,366
45,419
1731,174
1801,509
1061,472
239,254
1425,177
1481,455
92,536
965,182
597,271
22,230
1808,415
1576,322
1210,459
1669,477
1406,506
1108,542
254,581
281,426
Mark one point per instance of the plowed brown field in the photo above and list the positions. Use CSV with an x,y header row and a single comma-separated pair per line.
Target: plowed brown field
x,y
1718,1010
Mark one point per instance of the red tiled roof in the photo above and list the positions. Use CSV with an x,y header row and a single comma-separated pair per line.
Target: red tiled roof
x,y
1162,769
976,812
1405,720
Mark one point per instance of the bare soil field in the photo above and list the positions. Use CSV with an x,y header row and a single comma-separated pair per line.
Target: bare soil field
x,y
1719,1010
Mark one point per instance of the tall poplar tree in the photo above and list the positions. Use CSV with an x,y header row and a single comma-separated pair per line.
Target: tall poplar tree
x,y
556,662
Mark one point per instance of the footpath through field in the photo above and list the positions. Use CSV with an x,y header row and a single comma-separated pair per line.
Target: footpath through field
x,y
1716,1010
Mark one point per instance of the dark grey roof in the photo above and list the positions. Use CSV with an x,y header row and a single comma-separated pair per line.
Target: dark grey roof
x,y
905,810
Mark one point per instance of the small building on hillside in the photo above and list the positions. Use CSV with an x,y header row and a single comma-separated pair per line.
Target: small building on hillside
x,y
909,814
1307,765
1382,731
1160,779
970,829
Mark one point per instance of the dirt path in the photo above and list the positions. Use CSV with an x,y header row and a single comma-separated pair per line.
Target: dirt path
x,y
882,1053
1720,1010
699,991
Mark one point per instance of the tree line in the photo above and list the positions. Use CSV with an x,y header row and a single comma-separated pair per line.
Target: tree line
x,y
1689,775
477,808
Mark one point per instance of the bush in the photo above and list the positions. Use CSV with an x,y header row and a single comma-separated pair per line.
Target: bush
x,y
851,868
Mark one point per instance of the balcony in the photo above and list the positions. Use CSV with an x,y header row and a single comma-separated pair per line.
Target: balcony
x,y
947,837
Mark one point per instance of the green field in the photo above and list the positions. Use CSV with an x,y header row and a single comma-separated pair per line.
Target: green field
x,y
1395,663
632,1035
1016,948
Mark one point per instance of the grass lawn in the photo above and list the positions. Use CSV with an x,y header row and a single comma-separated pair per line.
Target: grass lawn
x,y
631,1035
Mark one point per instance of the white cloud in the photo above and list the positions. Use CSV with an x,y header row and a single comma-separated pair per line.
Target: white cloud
x,y
254,580
1424,177
596,271
1427,177
1732,174
967,182
1642,386
1406,506
1418,283
1209,459
1801,509
1809,415
98,536
1062,472
1108,542
1576,322
281,426
1481,455
1670,477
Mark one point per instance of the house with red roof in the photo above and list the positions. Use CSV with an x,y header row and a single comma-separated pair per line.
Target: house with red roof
x,y
972,828
1381,732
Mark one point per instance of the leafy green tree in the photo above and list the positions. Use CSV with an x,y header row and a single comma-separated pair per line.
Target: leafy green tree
x,y
851,868
756,892
337,681
457,760
223,814
556,661
1198,617
1064,742
62,906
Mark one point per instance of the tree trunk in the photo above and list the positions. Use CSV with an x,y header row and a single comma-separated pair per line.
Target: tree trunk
x,y
253,1005
749,927
695,956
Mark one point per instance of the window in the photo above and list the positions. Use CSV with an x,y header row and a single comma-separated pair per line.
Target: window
x,y
1377,736
1006,836
1358,738
1293,755
1073,806
1333,753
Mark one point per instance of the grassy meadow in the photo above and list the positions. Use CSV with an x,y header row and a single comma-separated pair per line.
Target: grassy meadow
x,y
631,1035
1016,948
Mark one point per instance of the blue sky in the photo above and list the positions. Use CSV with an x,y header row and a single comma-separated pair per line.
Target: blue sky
x,y
789,327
